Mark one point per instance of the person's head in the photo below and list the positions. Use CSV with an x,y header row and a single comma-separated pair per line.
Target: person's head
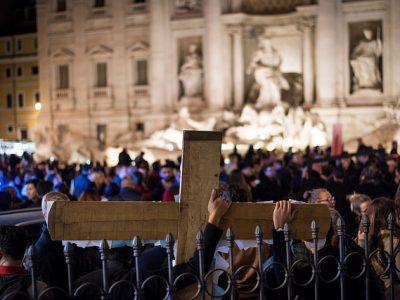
x,y
111,189
44,187
378,212
167,173
269,171
362,156
50,197
5,200
31,189
391,164
62,188
359,203
85,169
233,192
345,161
237,177
11,190
137,178
89,195
319,196
369,174
13,242
247,170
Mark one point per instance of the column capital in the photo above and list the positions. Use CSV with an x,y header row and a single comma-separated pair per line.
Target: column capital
x,y
236,29
306,23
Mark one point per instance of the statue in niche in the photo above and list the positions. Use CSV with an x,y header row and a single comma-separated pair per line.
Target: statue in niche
x,y
364,61
191,74
265,65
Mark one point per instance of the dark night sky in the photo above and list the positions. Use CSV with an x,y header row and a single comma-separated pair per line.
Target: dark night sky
x,y
17,16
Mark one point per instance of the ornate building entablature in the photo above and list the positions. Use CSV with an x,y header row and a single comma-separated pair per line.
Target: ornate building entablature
x,y
266,7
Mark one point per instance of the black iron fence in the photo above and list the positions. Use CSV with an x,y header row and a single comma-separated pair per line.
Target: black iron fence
x,y
285,284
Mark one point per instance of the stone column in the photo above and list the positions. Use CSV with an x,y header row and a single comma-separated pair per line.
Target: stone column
x,y
395,51
158,17
238,67
307,27
214,87
118,78
326,52
45,118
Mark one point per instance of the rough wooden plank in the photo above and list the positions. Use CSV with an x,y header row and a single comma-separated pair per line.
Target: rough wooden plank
x,y
112,220
244,217
200,174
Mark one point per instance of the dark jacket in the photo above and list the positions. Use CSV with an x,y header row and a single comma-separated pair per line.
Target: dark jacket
x,y
354,288
52,268
128,194
16,281
155,289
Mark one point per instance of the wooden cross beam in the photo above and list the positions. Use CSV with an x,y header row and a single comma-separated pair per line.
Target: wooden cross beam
x,y
153,220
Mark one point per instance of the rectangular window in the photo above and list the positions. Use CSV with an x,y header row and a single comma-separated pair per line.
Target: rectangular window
x,y
63,77
8,46
37,97
35,70
19,71
10,128
99,3
8,72
9,101
141,72
21,100
23,133
61,5
101,80
19,45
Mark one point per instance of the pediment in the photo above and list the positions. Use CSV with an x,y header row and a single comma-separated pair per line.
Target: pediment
x,y
62,53
100,51
138,47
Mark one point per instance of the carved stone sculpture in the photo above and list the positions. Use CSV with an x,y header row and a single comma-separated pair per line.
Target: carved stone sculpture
x,y
265,65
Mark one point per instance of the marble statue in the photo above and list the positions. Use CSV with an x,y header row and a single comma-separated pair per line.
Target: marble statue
x,y
277,129
191,73
170,139
265,64
364,63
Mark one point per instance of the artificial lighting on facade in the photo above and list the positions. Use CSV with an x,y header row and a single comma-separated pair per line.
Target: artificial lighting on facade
x,y
38,106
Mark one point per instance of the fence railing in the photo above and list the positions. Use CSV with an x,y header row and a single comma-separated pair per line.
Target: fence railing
x,y
286,285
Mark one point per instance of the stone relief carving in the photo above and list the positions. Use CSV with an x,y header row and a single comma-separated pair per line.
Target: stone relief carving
x,y
366,59
191,73
265,65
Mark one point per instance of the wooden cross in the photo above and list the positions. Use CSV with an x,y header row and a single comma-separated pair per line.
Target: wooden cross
x,y
153,220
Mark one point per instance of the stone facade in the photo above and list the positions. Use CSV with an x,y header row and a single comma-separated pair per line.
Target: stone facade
x,y
19,86
110,73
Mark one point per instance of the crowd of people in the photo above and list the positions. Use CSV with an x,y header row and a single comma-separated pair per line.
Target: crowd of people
x,y
351,185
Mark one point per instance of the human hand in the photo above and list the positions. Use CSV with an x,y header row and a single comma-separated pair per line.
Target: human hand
x,y
360,235
217,207
282,214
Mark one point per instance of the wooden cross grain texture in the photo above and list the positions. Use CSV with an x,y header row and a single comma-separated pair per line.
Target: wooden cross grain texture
x,y
153,220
